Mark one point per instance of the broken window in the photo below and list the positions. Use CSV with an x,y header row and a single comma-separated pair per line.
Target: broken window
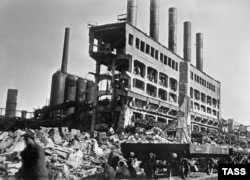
x,y
130,39
137,43
203,98
196,106
139,103
150,119
209,101
173,84
162,94
138,84
162,120
152,75
173,112
151,90
203,108
142,46
95,45
214,102
164,110
196,94
137,116
172,97
153,107
209,110
139,68
163,80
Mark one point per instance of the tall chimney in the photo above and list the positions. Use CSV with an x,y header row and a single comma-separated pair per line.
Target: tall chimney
x,y
172,29
199,51
65,51
10,109
187,41
154,19
132,12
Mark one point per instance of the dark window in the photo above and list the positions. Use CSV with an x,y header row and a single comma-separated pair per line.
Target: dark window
x,y
130,39
137,43
191,92
169,62
142,46
173,64
165,60
156,54
151,90
192,75
162,94
163,79
147,48
176,66
161,58
138,84
152,51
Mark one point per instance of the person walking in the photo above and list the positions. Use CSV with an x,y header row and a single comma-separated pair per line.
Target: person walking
x,y
33,161
108,172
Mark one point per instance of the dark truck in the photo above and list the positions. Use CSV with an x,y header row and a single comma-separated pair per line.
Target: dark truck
x,y
176,158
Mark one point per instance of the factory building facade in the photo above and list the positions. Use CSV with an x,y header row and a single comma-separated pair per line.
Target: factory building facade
x,y
149,77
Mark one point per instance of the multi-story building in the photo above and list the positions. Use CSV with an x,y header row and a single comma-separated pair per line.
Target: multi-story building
x,y
148,76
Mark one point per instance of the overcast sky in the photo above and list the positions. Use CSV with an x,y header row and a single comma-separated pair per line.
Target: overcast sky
x,y
32,34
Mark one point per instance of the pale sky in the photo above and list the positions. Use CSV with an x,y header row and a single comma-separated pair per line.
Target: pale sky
x,y
32,34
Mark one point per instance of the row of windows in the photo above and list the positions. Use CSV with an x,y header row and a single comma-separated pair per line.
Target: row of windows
x,y
202,81
194,93
154,53
202,108
154,76
152,91
139,116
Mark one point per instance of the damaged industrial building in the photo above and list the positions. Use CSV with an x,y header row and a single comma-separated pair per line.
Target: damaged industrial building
x,y
145,99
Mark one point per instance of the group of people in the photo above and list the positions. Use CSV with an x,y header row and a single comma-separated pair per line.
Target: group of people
x,y
116,167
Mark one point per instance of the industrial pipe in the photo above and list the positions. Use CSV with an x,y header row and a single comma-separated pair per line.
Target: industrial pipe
x,y
132,12
187,41
65,51
172,29
199,51
154,19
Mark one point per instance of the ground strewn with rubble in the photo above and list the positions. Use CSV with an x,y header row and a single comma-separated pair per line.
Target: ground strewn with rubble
x,y
77,154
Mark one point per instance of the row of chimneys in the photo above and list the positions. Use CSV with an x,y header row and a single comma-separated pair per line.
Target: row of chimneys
x,y
172,30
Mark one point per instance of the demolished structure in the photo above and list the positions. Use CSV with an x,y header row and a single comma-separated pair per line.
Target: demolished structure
x,y
143,93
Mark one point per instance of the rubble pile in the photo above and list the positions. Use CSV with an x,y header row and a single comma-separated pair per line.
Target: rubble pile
x,y
77,154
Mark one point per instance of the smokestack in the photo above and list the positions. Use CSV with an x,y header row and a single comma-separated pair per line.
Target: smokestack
x,y
172,29
11,103
199,51
132,12
154,19
187,41
65,51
